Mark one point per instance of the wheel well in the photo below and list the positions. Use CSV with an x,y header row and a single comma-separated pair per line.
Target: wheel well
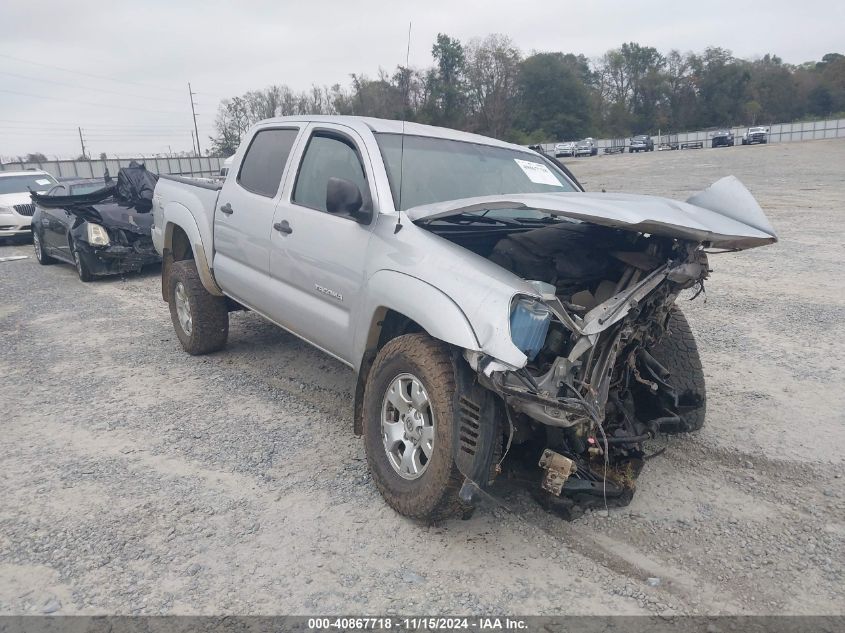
x,y
387,325
177,248
394,324
180,245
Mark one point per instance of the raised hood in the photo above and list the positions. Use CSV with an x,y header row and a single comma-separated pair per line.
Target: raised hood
x,y
725,215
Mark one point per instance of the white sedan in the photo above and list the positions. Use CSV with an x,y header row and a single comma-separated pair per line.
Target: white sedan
x,y
16,206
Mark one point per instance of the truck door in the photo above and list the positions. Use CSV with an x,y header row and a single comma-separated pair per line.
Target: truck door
x,y
244,217
318,259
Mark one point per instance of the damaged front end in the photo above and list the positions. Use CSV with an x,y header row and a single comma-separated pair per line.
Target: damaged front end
x,y
113,247
592,390
604,369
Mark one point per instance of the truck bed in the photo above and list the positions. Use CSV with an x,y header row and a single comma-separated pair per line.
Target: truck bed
x,y
197,198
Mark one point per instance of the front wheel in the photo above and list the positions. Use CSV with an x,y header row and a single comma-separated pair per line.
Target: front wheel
x,y
43,258
408,428
82,269
200,319
677,351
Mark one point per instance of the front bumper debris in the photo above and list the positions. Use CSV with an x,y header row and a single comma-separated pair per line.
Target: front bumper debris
x,y
118,258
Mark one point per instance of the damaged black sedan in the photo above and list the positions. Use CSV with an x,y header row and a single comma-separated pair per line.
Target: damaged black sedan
x,y
101,227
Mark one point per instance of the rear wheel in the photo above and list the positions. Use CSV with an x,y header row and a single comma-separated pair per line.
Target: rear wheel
x,y
200,319
677,351
408,428
43,258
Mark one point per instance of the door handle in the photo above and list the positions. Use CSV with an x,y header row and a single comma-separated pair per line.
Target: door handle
x,y
283,227
227,209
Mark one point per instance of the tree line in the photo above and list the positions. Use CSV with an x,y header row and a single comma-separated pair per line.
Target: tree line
x,y
489,86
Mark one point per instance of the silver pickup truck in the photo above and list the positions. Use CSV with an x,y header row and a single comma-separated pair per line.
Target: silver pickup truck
x,y
497,315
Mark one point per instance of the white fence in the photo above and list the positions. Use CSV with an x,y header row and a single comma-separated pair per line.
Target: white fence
x,y
194,166
778,133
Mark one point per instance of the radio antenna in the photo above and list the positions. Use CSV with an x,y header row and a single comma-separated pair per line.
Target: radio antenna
x,y
398,226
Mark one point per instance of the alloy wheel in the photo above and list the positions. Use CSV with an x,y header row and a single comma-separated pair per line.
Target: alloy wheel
x,y
183,309
407,426
36,242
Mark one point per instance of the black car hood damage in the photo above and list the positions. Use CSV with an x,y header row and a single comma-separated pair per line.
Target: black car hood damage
x,y
125,204
113,215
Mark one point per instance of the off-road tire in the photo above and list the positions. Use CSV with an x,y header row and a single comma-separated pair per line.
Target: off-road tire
x,y
40,256
210,314
85,274
678,352
434,495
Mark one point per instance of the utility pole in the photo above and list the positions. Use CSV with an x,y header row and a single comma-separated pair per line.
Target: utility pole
x,y
81,142
193,146
194,113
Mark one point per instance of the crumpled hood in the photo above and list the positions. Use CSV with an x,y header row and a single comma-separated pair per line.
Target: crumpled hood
x,y
115,216
725,214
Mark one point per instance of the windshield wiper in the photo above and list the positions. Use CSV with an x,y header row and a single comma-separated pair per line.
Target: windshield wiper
x,y
549,219
473,218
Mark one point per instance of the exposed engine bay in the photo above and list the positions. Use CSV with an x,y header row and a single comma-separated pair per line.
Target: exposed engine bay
x,y
597,383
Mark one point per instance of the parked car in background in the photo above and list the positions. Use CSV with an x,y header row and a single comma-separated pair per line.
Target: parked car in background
x,y
641,143
586,147
722,138
16,207
757,134
100,227
565,149
488,301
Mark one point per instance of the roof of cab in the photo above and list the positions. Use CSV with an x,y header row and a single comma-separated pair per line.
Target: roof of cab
x,y
391,126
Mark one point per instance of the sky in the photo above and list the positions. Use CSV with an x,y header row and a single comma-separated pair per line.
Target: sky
x,y
120,70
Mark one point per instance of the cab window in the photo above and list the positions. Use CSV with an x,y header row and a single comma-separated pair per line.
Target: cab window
x,y
327,156
264,162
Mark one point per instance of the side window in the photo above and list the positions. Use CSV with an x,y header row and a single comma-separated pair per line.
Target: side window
x,y
327,156
264,162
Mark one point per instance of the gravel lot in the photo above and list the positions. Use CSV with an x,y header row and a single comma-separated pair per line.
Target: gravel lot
x,y
136,479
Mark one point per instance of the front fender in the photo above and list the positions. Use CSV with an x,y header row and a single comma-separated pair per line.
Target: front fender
x,y
432,309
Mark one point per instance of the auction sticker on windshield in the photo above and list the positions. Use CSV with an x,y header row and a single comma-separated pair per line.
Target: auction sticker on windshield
x,y
538,173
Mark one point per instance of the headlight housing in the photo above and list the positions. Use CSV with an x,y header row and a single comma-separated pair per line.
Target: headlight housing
x,y
5,210
97,235
529,323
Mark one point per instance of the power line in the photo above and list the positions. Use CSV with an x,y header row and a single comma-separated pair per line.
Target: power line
x,y
88,103
102,77
104,90
47,126
79,72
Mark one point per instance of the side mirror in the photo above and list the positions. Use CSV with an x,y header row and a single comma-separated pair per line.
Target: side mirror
x,y
343,196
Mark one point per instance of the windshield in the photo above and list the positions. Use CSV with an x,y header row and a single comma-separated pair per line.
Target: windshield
x,y
754,130
437,170
23,184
